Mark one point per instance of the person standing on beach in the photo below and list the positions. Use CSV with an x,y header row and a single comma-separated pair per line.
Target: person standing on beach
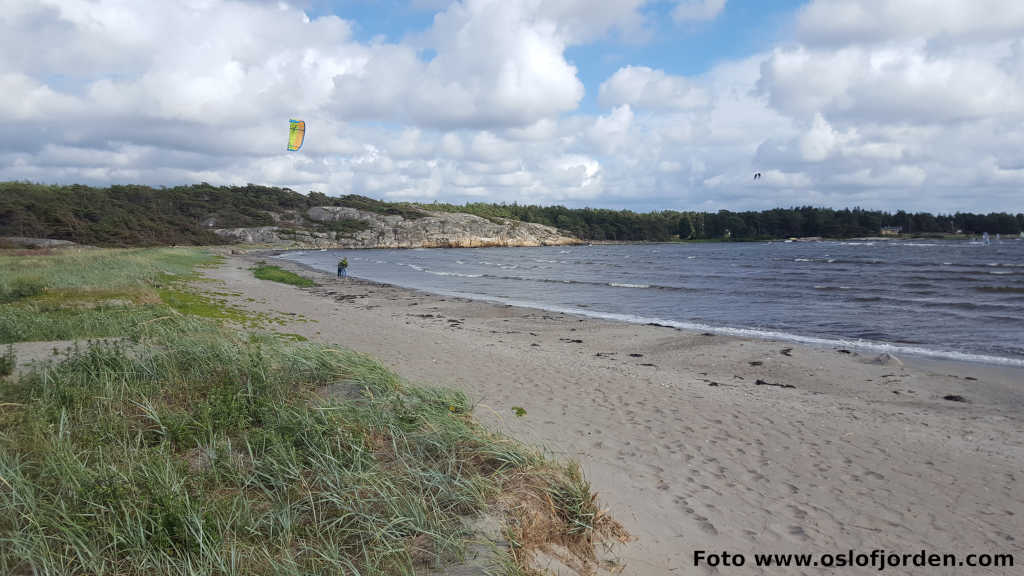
x,y
343,268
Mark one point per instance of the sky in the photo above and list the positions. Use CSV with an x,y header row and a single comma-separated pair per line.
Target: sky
x,y
636,104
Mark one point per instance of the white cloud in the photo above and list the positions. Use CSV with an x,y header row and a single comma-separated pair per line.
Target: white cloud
x,y
819,141
451,145
27,99
221,61
581,20
895,83
838,22
486,147
611,132
647,88
923,108
893,177
902,103
697,10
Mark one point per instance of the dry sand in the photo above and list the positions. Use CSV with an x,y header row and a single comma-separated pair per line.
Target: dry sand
x,y
681,442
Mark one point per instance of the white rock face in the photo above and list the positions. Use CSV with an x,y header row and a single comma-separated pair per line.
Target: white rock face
x,y
261,235
34,242
435,230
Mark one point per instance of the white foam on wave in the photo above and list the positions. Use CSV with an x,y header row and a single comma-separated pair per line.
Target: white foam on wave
x,y
459,274
624,285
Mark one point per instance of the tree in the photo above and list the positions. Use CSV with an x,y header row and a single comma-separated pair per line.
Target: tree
x,y
685,228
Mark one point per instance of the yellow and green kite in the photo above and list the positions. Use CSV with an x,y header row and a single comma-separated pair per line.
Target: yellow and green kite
x,y
296,134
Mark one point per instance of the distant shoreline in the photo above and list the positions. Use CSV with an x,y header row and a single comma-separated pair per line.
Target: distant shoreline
x,y
203,214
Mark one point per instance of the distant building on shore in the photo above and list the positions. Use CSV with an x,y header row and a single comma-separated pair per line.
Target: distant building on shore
x,y
891,230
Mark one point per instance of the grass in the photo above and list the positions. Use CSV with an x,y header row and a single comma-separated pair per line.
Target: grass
x,y
194,448
91,293
99,268
19,289
201,305
7,361
278,274
210,455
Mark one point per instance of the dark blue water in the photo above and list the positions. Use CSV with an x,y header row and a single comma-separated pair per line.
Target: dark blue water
x,y
954,299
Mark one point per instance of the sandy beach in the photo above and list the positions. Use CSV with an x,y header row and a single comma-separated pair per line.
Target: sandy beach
x,y
706,442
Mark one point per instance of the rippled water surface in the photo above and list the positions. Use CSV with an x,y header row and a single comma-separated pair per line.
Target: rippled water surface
x,y
939,298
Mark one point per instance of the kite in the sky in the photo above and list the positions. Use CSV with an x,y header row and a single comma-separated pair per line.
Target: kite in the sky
x,y
757,175
296,134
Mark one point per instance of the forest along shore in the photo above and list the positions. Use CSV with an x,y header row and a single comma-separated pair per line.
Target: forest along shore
x,y
702,442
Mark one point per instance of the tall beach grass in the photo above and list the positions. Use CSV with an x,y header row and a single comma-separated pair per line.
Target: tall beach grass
x,y
191,447
95,293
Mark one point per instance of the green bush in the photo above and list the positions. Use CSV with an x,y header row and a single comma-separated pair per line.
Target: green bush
x,y
21,288
278,274
7,361
344,227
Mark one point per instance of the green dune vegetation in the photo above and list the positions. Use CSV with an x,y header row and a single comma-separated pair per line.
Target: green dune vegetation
x,y
181,436
278,274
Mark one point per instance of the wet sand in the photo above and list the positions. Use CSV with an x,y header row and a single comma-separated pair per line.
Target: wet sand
x,y
702,442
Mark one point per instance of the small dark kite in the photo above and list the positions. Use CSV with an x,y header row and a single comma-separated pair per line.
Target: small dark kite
x,y
757,175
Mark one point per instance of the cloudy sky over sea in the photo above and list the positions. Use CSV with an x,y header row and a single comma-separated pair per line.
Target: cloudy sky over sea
x,y
915,104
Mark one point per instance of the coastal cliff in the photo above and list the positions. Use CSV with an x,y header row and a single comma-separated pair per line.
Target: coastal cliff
x,y
344,227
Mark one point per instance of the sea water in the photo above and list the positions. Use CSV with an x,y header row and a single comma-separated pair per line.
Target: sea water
x,y
954,299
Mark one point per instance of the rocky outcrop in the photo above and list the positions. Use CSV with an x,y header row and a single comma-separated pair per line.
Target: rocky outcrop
x,y
25,242
432,230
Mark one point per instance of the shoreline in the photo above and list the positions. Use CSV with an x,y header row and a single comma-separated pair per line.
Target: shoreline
x,y
704,442
903,351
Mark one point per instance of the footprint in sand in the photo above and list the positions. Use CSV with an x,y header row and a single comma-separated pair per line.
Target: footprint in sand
x,y
799,532
706,526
